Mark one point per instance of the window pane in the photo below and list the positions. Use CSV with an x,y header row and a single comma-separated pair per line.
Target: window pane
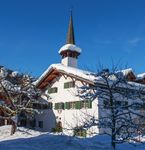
x,y
59,106
69,84
52,90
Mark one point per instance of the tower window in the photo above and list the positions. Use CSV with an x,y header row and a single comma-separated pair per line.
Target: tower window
x,y
69,85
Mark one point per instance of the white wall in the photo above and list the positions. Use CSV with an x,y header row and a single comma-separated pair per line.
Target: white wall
x,y
69,118
48,118
69,61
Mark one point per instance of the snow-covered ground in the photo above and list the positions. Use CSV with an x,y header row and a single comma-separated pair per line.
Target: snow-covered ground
x,y
26,139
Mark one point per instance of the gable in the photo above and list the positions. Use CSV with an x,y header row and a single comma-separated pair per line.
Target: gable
x,y
57,70
48,79
130,76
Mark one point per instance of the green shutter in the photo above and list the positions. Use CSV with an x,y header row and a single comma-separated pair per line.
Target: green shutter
x,y
67,105
56,106
61,105
78,105
89,104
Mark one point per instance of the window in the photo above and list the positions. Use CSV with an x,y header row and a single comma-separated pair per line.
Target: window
x,y
42,106
72,105
86,104
33,123
78,104
59,106
52,90
40,124
69,85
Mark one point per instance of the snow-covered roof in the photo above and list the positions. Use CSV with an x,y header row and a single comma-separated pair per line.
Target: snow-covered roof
x,y
86,75
141,76
70,47
126,71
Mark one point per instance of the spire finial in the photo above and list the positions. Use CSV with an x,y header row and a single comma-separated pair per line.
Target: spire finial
x,y
70,35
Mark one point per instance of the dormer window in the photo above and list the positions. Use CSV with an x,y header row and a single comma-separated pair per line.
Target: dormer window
x,y
69,85
52,90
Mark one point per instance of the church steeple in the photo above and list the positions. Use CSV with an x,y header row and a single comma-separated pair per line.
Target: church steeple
x,y
70,51
70,35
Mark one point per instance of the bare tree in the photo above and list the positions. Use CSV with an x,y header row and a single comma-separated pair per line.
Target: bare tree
x,y
117,100
17,93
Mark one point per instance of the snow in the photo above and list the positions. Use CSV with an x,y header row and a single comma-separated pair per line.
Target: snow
x,y
141,76
27,139
8,79
15,74
17,83
86,75
10,87
70,47
125,72
20,133
3,72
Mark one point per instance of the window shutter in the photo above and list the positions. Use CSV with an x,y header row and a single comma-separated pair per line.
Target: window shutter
x,y
67,105
56,106
78,105
51,105
66,85
61,105
89,104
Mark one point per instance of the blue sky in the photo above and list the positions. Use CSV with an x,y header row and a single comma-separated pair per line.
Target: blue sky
x,y
32,32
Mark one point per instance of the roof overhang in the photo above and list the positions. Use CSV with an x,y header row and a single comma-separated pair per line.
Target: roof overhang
x,y
58,70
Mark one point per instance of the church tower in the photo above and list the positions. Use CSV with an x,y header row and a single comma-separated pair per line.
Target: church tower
x,y
70,51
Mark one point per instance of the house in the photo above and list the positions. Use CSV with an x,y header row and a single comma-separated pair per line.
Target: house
x,y
60,83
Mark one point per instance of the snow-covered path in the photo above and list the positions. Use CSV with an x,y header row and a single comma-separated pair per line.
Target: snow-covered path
x,y
25,139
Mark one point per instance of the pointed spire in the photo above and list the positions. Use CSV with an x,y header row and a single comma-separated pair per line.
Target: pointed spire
x,y
70,35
